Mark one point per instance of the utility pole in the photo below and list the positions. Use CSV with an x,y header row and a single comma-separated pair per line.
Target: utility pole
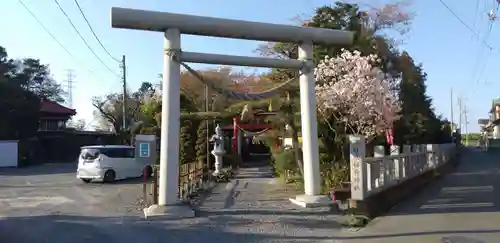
x,y
460,113
466,122
124,101
69,87
451,111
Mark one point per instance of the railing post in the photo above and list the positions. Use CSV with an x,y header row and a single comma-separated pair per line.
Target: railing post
x,y
155,184
431,156
358,168
407,161
442,154
378,168
398,170
414,160
422,159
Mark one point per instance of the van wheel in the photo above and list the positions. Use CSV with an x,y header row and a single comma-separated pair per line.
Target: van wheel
x,y
86,180
148,170
109,176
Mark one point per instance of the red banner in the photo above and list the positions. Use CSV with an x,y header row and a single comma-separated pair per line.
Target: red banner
x,y
389,136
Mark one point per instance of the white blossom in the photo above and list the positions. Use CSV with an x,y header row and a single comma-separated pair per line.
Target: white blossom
x,y
353,89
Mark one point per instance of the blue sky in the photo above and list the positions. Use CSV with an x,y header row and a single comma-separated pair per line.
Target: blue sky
x,y
449,52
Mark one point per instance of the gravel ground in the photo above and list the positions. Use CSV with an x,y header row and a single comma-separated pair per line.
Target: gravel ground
x,y
47,204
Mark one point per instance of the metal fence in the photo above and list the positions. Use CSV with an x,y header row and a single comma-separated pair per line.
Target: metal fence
x,y
194,178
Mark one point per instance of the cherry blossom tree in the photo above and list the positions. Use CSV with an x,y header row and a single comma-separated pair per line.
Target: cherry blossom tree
x,y
352,89
393,17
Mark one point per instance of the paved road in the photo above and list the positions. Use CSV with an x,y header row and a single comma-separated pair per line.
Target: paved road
x,y
463,207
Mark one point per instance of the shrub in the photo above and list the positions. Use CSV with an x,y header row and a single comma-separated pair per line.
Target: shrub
x,y
284,163
334,174
231,161
201,142
187,148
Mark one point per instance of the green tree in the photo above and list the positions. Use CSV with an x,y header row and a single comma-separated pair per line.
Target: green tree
x,y
20,109
23,84
418,123
35,77
30,75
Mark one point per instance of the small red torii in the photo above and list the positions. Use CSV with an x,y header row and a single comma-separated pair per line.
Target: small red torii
x,y
237,125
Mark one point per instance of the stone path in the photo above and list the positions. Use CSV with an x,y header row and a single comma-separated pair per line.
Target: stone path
x,y
253,208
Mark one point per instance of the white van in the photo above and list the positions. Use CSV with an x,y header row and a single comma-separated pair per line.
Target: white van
x,y
108,163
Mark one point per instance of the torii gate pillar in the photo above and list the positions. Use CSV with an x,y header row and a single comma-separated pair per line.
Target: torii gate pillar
x,y
310,149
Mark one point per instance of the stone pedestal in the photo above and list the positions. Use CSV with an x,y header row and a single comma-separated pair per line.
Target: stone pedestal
x,y
168,212
315,201
218,161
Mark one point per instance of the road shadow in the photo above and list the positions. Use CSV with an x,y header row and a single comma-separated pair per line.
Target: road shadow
x,y
256,161
83,229
256,212
43,169
127,181
474,186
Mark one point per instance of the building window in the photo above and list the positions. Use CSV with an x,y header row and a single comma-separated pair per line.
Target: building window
x,y
61,124
52,125
43,125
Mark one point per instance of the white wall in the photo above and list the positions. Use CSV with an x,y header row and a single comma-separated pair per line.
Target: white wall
x,y
9,153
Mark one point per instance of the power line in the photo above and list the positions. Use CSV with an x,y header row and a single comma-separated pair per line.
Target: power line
x,y
492,17
54,37
487,35
83,39
475,13
92,30
465,24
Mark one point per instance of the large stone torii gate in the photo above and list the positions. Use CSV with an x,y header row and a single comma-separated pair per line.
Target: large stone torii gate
x,y
173,25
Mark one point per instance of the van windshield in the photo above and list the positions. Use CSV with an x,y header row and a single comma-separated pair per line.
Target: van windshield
x,y
90,154
93,153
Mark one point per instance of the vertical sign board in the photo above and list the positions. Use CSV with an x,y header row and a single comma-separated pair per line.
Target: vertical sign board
x,y
145,151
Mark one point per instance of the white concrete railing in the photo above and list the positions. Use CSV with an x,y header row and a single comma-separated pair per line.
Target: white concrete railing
x,y
370,175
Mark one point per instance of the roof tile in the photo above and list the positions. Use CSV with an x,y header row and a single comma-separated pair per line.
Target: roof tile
x,y
54,107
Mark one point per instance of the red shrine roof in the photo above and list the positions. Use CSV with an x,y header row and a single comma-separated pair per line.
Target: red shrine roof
x,y
54,107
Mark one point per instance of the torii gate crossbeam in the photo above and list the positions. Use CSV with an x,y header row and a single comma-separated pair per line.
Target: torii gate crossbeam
x,y
173,25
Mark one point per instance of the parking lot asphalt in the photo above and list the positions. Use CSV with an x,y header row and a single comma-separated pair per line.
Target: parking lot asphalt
x,y
54,189
42,203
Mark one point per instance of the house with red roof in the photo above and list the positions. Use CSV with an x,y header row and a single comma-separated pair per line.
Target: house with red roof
x,y
54,116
